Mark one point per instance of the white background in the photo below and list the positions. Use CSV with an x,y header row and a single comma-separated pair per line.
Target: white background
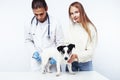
x,y
105,14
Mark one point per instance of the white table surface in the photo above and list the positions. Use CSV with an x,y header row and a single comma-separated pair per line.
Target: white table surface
x,y
84,75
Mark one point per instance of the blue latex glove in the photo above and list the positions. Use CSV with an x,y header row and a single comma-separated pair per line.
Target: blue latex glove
x,y
36,56
52,61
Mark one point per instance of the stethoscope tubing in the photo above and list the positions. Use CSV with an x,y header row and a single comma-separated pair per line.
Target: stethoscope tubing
x,y
48,24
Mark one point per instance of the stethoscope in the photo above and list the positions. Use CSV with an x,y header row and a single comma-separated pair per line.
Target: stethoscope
x,y
48,24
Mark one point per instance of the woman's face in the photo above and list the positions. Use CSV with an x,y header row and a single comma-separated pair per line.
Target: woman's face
x,y
74,14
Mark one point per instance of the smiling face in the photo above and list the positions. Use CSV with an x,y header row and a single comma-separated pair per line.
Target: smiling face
x,y
66,51
74,14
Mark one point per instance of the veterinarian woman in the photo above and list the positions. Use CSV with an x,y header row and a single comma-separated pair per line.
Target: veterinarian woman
x,y
83,34
43,32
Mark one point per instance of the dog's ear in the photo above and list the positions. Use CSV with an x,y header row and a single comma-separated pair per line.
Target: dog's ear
x,y
60,48
71,46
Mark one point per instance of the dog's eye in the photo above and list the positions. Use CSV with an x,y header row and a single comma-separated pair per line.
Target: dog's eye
x,y
63,52
68,51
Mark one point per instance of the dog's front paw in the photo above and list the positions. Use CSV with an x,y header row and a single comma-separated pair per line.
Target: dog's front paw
x,y
73,73
58,74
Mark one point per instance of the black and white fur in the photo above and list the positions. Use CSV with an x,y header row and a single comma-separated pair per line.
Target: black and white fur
x,y
62,54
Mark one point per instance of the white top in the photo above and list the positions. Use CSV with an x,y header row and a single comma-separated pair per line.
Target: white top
x,y
36,36
84,48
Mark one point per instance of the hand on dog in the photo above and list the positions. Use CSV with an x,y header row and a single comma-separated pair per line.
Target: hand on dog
x,y
73,57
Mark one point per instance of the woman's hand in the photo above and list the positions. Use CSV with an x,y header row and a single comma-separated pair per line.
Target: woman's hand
x,y
73,58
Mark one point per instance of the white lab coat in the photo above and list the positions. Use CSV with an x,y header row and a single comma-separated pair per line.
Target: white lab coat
x,y
36,36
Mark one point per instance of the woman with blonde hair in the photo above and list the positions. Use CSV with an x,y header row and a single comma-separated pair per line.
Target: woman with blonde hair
x,y
83,34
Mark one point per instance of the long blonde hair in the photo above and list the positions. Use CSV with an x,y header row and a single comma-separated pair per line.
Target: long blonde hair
x,y
83,17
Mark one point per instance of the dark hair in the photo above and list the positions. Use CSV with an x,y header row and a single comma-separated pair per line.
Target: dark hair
x,y
39,4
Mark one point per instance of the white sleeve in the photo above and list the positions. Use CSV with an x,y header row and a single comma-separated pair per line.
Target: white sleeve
x,y
29,42
87,54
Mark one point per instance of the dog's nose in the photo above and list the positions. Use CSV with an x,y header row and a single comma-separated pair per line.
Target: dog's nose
x,y
66,58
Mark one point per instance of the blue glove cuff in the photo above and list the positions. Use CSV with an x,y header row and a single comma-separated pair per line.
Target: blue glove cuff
x,y
36,56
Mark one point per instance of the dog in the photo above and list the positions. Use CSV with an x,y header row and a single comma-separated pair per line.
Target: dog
x,y
60,54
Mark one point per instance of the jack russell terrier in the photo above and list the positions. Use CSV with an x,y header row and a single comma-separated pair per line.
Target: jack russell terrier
x,y
61,54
